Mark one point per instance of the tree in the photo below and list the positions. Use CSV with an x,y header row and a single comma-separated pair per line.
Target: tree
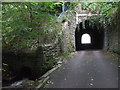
x,y
26,22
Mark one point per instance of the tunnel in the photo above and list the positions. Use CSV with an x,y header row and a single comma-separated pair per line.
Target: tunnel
x,y
25,72
89,37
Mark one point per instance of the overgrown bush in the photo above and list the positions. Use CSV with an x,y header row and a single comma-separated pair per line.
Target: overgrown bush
x,y
29,24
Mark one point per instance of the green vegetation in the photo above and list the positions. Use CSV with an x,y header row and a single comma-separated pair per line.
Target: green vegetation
x,y
49,64
25,23
105,9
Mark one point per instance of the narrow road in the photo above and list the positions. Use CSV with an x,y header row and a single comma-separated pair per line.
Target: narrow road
x,y
88,69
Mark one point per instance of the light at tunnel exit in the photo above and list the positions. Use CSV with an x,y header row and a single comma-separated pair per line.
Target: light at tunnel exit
x,y
86,39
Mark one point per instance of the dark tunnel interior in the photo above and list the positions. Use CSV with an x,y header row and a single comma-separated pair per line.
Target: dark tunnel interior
x,y
25,72
96,36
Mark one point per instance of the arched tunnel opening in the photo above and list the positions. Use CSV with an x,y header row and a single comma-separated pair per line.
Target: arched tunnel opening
x,y
25,72
86,39
89,37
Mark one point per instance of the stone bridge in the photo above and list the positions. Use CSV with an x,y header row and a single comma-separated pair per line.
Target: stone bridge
x,y
79,25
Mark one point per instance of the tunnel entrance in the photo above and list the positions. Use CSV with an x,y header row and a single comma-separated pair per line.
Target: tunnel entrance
x,y
90,37
25,72
86,39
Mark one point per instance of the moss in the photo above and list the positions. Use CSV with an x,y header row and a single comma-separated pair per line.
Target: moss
x,y
115,51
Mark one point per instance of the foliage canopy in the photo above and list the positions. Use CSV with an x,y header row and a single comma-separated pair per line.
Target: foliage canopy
x,y
24,23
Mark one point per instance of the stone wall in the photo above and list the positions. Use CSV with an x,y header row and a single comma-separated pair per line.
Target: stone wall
x,y
114,32
51,49
68,35
24,64
30,64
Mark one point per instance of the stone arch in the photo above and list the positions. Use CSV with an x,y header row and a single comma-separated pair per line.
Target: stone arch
x,y
97,37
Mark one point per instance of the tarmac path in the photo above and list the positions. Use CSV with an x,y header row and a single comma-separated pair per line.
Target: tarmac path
x,y
88,69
